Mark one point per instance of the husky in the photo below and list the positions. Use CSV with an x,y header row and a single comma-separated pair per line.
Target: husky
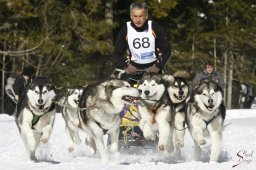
x,y
100,106
205,115
36,113
178,91
70,112
155,111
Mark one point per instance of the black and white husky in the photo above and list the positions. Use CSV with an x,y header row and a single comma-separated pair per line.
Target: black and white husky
x,y
178,90
36,113
100,107
206,114
155,111
70,113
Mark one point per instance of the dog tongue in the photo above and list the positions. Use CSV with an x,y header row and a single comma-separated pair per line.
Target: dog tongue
x,y
41,107
131,99
211,106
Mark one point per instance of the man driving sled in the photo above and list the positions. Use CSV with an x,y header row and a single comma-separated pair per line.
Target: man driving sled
x,y
148,49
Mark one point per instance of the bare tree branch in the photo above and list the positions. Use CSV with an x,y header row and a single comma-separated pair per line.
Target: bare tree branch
x,y
21,52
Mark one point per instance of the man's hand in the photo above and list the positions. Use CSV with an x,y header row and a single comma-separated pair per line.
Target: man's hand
x,y
153,69
16,97
131,69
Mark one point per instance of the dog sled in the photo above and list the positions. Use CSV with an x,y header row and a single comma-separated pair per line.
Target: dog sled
x,y
130,133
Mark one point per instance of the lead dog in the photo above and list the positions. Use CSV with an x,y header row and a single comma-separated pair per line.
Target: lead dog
x,y
101,104
206,115
155,111
70,113
36,113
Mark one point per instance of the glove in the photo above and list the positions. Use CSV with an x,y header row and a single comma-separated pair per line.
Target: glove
x,y
153,69
131,69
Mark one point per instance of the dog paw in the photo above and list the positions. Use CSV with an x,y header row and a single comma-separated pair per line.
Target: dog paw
x,y
202,142
92,151
70,149
113,148
32,156
170,147
44,140
161,148
150,137
179,143
212,162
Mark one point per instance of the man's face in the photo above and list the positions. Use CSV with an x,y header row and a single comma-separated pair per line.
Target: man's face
x,y
209,69
26,77
138,17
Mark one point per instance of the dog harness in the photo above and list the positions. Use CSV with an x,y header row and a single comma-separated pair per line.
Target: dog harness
x,y
207,122
99,124
163,100
36,117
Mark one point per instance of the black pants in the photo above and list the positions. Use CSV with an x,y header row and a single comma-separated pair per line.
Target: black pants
x,y
9,106
132,78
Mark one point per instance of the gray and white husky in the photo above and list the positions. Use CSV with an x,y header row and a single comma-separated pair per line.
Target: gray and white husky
x,y
101,104
70,113
155,111
178,90
36,113
206,114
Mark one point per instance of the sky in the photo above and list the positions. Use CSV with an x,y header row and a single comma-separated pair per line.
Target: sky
x,y
239,148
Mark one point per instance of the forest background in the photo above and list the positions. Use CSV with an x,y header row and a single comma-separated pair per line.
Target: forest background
x,y
72,41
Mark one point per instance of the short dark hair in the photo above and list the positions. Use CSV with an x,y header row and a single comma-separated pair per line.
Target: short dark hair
x,y
209,63
139,5
28,71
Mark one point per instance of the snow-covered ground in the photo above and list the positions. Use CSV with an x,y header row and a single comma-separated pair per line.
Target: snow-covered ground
x,y
239,148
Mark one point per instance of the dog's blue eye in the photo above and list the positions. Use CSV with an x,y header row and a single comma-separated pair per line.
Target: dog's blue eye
x,y
153,84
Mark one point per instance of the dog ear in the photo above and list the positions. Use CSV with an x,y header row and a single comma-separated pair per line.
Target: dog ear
x,y
117,73
158,78
109,89
168,78
183,74
70,91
